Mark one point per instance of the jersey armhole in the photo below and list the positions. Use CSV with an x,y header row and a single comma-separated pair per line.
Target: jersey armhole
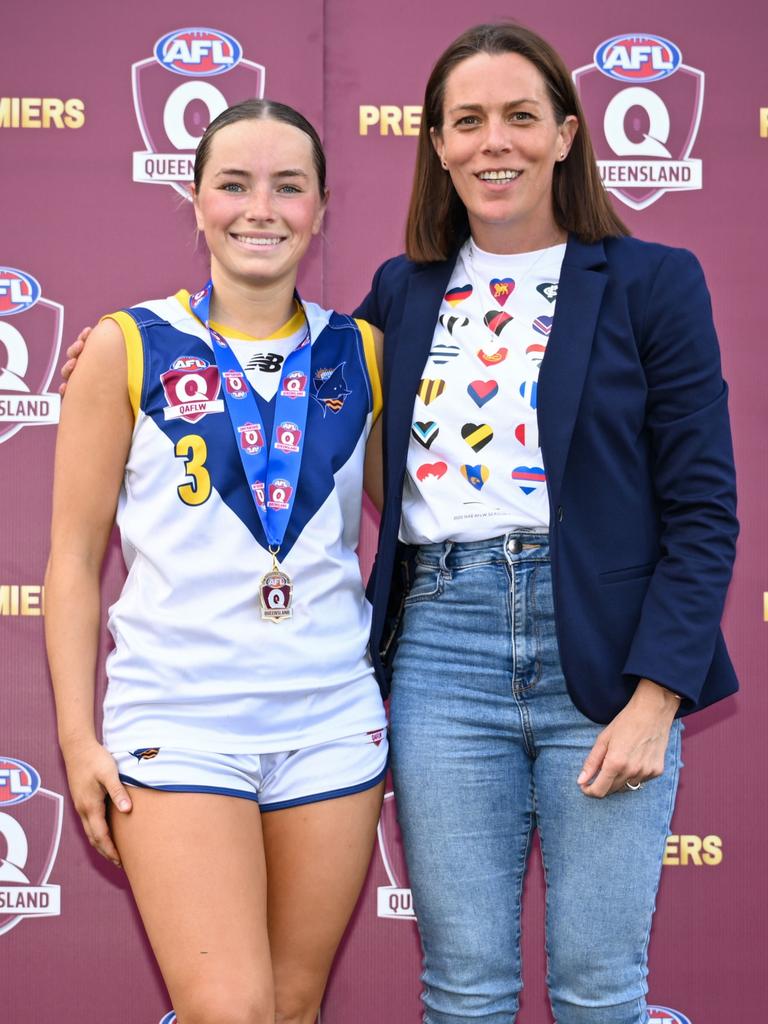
x,y
369,348
134,351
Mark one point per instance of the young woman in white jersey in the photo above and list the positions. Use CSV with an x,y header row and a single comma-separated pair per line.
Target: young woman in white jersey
x,y
241,775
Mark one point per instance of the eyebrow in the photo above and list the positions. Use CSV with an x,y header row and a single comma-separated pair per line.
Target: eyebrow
x,y
479,106
290,172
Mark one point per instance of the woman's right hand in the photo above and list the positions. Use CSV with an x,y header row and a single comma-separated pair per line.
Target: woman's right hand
x,y
93,776
73,354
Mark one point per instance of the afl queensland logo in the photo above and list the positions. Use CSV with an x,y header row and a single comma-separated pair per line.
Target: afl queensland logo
x,y
29,352
663,1015
393,900
648,104
193,75
30,831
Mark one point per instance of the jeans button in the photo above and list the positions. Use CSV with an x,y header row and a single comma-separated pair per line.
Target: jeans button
x,y
514,546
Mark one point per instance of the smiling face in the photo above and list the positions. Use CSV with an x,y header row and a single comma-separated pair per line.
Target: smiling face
x,y
500,142
259,202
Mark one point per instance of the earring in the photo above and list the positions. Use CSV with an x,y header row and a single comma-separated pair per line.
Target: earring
x,y
445,165
562,156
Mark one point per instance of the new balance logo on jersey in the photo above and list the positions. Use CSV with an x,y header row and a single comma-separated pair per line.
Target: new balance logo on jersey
x,y
267,362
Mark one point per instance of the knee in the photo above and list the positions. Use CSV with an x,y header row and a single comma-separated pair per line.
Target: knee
x,y
226,1007
296,1008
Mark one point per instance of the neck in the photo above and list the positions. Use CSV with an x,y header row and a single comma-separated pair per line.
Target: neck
x,y
504,240
257,310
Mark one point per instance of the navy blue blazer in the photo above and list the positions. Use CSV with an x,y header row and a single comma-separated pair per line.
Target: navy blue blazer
x,y
635,438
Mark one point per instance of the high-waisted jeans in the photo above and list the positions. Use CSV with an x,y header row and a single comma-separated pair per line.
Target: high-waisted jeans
x,y
486,746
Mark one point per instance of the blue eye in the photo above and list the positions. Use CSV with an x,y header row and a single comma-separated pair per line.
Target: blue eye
x,y
232,186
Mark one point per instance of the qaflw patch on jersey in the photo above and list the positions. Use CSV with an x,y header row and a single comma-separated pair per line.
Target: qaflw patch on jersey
x,y
192,386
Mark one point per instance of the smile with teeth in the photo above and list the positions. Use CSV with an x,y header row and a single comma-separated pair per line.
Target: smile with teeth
x,y
262,243
499,175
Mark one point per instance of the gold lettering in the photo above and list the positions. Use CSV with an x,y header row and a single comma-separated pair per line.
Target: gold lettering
x,y
369,116
390,118
30,111
5,112
74,113
713,850
690,847
411,120
22,599
671,856
30,600
764,122
52,111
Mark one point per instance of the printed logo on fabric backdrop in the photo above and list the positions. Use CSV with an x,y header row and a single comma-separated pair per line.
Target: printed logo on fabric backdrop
x,y
193,74
644,108
393,900
29,353
30,831
663,1015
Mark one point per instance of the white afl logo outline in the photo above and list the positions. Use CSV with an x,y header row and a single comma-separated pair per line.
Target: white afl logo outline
x,y
161,48
17,850
602,50
34,780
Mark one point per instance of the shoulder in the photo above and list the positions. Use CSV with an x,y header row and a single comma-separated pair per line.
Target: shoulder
x,y
635,258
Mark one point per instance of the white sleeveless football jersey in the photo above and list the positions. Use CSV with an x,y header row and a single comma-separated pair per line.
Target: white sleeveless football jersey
x,y
194,665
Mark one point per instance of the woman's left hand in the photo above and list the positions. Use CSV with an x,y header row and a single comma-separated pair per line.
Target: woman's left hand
x,y
631,748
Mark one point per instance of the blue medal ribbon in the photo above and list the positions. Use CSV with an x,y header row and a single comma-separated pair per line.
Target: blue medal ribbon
x,y
272,471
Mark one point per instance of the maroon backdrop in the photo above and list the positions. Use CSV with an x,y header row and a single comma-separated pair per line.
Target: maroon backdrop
x,y
95,141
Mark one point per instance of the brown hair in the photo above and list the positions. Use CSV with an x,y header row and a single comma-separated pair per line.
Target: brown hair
x,y
437,218
260,110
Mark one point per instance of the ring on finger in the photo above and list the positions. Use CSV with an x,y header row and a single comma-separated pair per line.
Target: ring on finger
x,y
634,786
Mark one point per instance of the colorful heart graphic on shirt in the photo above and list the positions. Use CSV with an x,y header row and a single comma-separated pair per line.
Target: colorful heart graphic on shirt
x,y
536,352
475,475
543,325
494,357
548,290
496,320
456,295
477,435
482,391
528,477
425,433
527,434
431,469
429,390
529,390
501,288
450,322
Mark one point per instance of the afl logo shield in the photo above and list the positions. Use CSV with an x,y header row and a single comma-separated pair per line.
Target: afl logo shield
x,y
30,831
198,52
288,437
294,385
235,382
663,1015
18,781
30,341
18,291
193,75
638,58
644,107
280,492
251,439
191,392
276,591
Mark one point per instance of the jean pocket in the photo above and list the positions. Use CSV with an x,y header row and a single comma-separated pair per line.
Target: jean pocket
x,y
631,572
427,583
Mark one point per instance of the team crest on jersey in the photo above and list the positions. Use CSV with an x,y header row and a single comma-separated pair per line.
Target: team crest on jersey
x,y
251,439
191,386
192,76
30,831
234,381
288,437
330,388
644,106
280,492
294,385
29,353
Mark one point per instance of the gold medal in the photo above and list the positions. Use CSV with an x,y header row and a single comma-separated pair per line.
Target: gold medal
x,y
276,593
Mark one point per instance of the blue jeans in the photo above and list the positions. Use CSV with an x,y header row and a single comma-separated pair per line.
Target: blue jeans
x,y
486,746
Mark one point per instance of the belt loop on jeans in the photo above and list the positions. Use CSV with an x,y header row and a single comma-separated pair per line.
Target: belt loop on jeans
x,y
446,551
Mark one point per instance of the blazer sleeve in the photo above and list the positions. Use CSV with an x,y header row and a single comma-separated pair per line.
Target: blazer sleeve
x,y
694,480
372,306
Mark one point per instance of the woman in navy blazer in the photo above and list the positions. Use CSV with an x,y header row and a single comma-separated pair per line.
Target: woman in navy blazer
x,y
510,652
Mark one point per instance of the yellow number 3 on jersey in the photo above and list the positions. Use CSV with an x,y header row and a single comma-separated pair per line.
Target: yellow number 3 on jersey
x,y
197,489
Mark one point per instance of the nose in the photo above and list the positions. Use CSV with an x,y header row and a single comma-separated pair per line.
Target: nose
x,y
497,137
260,204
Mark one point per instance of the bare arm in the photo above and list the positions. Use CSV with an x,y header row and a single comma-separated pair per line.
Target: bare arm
x,y
91,450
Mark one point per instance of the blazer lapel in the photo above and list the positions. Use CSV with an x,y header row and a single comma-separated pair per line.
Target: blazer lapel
x,y
563,369
407,355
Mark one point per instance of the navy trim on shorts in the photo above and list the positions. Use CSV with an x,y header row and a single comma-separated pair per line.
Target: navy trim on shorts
x,y
330,795
217,790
